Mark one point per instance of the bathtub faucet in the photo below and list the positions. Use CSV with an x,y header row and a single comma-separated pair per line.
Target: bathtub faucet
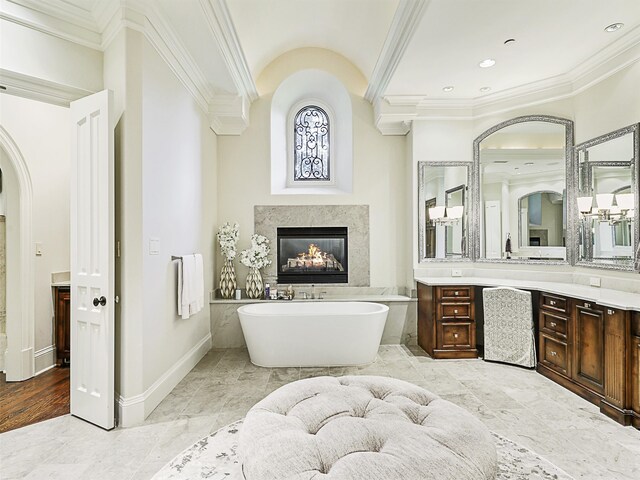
x,y
321,296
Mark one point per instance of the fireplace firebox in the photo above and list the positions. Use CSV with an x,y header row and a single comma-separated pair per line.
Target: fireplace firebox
x,y
312,255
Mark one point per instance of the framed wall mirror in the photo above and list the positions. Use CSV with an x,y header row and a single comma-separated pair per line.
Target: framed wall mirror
x,y
607,200
443,201
520,209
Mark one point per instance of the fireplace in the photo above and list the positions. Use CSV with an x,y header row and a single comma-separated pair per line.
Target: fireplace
x,y
312,255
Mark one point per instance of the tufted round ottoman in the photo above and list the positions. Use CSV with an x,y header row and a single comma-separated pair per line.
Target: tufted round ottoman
x,y
362,427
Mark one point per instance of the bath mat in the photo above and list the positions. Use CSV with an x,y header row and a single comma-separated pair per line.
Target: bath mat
x,y
215,458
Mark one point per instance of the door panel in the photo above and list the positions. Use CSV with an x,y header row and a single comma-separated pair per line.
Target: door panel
x,y
589,348
92,260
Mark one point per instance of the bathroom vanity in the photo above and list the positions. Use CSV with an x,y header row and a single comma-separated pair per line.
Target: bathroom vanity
x,y
588,339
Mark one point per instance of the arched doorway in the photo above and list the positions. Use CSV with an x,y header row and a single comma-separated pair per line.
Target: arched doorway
x,y
17,189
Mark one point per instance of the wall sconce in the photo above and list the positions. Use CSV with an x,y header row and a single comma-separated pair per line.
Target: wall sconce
x,y
445,216
606,211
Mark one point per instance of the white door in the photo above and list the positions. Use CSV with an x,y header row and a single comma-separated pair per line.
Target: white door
x,y
92,259
492,229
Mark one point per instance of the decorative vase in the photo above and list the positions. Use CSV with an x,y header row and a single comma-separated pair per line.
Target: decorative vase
x,y
254,285
228,282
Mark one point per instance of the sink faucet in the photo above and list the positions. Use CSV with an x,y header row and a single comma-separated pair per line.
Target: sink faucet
x,y
321,296
304,295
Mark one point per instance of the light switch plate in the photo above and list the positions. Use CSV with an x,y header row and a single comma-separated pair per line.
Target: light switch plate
x,y
594,281
456,273
38,249
154,246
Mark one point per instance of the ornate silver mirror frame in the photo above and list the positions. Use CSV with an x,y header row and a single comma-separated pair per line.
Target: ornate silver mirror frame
x,y
634,165
422,217
570,181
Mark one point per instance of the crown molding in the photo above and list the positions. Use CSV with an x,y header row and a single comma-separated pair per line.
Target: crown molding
x,y
229,114
47,21
62,10
393,112
403,26
221,26
38,89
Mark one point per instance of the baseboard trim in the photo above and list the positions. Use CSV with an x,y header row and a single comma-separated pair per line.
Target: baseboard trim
x,y
44,359
133,410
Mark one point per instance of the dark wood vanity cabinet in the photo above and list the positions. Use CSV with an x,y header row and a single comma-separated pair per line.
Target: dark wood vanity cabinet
x,y
590,349
62,324
555,334
583,347
446,321
634,369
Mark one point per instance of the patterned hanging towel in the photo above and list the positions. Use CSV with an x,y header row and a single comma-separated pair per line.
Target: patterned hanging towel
x,y
507,245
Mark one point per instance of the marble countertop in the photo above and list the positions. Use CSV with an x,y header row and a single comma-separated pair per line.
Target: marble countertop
x,y
329,298
602,296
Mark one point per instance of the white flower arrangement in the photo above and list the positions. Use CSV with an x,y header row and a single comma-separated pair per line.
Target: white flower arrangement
x,y
228,237
256,256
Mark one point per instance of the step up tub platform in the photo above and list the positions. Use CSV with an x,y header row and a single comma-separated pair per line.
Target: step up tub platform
x,y
363,428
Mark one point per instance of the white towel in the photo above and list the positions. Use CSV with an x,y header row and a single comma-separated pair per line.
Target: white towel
x,y
190,285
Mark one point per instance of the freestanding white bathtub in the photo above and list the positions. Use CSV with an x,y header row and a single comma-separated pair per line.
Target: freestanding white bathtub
x,y
312,334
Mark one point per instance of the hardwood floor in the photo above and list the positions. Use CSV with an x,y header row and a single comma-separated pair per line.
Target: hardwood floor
x,y
40,398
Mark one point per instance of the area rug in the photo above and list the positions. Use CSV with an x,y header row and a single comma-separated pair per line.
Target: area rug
x,y
215,458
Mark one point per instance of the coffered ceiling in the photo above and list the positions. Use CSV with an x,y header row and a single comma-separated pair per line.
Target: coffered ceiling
x,y
408,50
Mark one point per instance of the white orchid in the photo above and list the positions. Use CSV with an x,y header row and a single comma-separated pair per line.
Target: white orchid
x,y
256,256
228,237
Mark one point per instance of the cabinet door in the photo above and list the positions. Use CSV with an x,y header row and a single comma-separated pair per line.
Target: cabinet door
x,y
589,357
62,326
635,374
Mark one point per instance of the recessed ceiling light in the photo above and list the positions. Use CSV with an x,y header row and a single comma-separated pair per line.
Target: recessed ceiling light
x,y
485,89
487,62
528,163
448,89
510,41
613,27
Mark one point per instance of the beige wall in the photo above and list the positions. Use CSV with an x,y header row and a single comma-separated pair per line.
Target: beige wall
x,y
379,170
41,132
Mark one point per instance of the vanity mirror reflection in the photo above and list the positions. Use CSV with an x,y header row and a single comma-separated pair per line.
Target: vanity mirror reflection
x,y
521,193
443,212
607,200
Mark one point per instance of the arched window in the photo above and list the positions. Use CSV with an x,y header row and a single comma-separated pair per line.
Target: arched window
x,y
312,147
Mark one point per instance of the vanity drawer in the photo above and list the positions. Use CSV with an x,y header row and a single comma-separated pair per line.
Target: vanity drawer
x,y
452,311
553,323
453,294
553,302
554,354
456,335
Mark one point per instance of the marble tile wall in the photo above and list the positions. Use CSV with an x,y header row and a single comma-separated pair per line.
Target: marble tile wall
x,y
401,326
267,218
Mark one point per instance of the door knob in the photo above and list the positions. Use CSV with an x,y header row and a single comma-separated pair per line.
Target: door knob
x,y
99,301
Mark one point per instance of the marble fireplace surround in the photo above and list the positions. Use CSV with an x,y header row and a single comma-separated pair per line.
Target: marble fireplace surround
x,y
267,218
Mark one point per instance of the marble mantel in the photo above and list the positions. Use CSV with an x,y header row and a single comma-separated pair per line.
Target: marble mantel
x,y
267,218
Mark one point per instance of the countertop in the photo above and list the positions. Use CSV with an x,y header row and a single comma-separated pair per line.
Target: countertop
x,y
602,296
329,298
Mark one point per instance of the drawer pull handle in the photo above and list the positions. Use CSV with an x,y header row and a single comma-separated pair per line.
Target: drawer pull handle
x,y
610,312
455,335
552,302
455,293
587,305
553,324
455,311
553,354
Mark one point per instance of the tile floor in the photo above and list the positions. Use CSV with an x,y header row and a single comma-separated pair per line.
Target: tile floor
x,y
517,403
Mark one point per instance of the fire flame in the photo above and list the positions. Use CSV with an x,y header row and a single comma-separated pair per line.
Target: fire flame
x,y
317,256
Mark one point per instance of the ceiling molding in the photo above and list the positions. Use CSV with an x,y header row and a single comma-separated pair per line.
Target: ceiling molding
x,y
403,26
221,26
62,10
38,89
229,114
51,23
166,43
401,109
